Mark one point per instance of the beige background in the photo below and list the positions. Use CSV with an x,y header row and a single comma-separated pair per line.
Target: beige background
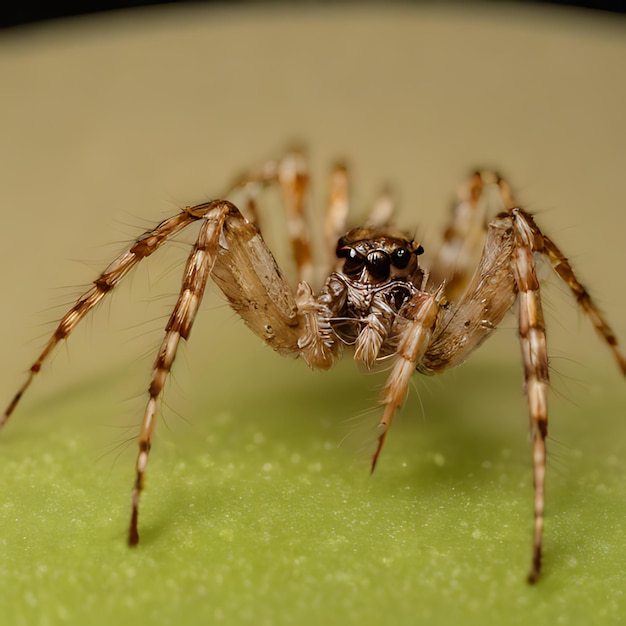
x,y
108,124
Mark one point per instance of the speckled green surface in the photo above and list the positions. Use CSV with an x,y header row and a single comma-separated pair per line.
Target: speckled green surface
x,y
254,513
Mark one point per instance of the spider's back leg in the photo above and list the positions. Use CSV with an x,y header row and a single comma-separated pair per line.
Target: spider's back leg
x,y
335,224
479,199
291,175
466,323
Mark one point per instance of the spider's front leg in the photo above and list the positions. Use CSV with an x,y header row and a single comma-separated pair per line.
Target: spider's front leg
x,y
418,320
141,248
532,335
232,252
199,265
507,273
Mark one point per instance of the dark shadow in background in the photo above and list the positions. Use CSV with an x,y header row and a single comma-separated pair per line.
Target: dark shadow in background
x,y
30,11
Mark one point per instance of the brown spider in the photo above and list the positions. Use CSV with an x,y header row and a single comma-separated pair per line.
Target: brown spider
x,y
376,298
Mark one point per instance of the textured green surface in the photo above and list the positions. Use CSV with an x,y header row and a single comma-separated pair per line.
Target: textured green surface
x,y
254,514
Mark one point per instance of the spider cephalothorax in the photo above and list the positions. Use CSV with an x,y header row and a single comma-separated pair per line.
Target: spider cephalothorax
x,y
375,298
378,276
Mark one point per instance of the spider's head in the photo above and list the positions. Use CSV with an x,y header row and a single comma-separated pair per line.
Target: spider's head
x,y
376,256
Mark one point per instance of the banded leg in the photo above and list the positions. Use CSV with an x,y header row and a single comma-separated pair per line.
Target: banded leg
x,y
250,185
532,337
533,342
506,272
479,199
337,212
197,271
143,247
420,316
290,173
561,265
232,252
293,178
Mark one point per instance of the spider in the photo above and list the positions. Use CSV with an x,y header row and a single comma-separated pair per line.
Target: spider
x,y
376,299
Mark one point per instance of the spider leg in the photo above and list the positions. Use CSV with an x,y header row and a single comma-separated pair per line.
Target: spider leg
x,y
529,239
293,178
143,247
507,272
532,337
561,265
337,211
291,175
484,195
250,185
464,325
420,315
232,252
197,270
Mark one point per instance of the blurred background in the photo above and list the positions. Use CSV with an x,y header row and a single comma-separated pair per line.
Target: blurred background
x,y
112,121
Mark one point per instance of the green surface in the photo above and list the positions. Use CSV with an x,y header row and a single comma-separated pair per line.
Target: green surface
x,y
254,514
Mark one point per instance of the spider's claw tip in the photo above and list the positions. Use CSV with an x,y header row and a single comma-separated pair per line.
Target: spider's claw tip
x,y
535,569
381,440
533,577
133,533
133,538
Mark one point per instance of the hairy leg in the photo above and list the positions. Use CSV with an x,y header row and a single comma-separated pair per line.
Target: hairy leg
x,y
532,337
198,268
232,252
506,272
337,212
290,174
479,200
143,247
561,265
420,314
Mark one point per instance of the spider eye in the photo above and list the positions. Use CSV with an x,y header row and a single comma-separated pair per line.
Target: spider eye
x,y
354,261
378,264
400,257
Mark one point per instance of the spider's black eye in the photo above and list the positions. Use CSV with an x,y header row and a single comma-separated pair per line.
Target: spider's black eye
x,y
378,264
354,261
400,257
